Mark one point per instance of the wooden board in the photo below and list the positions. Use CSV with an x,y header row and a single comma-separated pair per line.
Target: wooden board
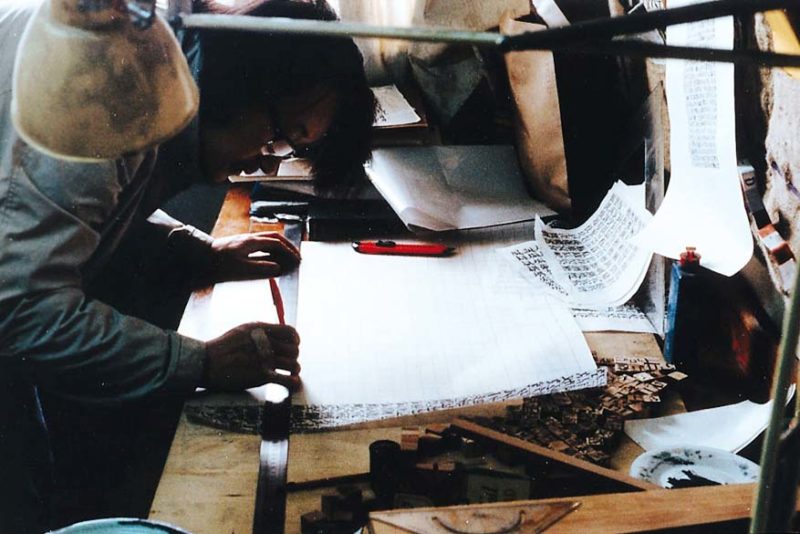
x,y
627,512
498,519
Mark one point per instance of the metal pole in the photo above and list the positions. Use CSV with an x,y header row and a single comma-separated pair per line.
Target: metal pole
x,y
596,29
631,48
590,37
780,385
606,28
338,29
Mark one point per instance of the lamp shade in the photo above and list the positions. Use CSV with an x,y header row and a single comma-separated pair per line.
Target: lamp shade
x,y
88,85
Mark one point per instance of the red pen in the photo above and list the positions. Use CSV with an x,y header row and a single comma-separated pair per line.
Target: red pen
x,y
405,249
278,300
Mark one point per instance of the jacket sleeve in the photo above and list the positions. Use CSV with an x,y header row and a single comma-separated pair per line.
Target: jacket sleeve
x,y
52,216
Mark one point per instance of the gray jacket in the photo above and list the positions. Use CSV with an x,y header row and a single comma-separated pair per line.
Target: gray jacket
x,y
59,221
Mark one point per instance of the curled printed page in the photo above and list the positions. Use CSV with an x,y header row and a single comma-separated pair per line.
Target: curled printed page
x,y
596,265
703,207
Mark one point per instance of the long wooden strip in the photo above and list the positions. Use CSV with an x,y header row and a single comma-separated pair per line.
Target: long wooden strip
x,y
621,480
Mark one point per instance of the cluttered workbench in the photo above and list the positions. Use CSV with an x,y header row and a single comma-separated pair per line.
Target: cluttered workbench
x,y
209,481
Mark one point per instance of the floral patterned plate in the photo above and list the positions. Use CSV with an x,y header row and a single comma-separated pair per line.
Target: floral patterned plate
x,y
682,467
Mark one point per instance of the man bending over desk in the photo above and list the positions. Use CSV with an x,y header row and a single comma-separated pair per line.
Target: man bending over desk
x,y
81,244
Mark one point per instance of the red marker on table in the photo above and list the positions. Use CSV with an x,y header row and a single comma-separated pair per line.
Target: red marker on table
x,y
402,249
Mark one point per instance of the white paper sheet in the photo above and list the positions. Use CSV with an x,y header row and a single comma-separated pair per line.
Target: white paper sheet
x,y
730,428
703,206
393,108
595,265
451,187
232,304
385,336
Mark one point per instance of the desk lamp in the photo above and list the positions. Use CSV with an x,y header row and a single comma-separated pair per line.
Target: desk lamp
x,y
97,79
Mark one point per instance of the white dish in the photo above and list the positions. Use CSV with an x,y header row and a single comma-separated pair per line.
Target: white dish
x,y
693,466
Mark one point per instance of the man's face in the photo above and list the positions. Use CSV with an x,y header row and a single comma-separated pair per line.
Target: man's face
x,y
241,144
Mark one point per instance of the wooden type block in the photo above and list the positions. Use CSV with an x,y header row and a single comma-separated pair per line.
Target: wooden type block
x,y
649,388
443,467
514,414
561,399
599,457
637,407
437,429
471,448
586,416
352,496
569,418
335,507
410,500
506,455
317,523
430,445
595,441
409,439
558,445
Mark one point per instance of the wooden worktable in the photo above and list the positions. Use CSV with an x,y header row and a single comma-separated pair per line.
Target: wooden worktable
x,y
209,481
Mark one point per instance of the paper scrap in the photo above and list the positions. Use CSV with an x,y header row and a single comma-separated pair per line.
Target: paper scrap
x,y
453,187
393,108
729,428
703,206
386,336
625,318
593,266
289,170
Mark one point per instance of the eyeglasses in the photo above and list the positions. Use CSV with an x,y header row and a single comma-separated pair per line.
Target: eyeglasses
x,y
282,146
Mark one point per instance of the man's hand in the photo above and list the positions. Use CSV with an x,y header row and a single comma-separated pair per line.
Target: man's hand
x,y
249,256
249,355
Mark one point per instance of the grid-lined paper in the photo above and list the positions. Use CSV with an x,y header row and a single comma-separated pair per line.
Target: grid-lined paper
x,y
411,332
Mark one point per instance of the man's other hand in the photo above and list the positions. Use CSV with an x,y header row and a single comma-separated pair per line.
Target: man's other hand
x,y
250,355
249,256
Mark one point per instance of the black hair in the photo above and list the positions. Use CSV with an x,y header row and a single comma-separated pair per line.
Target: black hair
x,y
248,69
